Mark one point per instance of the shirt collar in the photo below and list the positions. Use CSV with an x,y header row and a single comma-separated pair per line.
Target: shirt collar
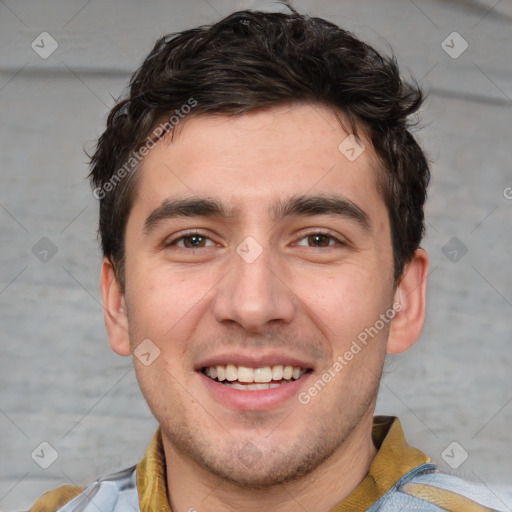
x,y
394,459
152,479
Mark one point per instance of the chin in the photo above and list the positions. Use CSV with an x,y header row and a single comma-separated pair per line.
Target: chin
x,y
267,471
260,462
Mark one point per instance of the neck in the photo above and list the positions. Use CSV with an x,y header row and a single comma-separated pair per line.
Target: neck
x,y
192,488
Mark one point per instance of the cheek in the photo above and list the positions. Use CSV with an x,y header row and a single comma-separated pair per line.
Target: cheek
x,y
162,302
347,303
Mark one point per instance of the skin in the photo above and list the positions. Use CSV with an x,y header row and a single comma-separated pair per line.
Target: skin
x,y
304,296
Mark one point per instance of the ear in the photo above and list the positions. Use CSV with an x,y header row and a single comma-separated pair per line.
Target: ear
x,y
409,304
114,306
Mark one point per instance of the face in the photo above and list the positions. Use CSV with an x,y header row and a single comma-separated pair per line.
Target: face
x,y
256,254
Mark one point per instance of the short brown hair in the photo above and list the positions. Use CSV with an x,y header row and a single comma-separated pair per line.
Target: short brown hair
x,y
253,60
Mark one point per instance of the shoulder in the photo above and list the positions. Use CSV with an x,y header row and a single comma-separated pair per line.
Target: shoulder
x,y
111,493
451,492
432,490
51,501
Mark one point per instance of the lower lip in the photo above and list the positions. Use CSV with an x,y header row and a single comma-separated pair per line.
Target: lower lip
x,y
256,400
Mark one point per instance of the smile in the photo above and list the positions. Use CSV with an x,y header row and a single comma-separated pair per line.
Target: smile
x,y
253,379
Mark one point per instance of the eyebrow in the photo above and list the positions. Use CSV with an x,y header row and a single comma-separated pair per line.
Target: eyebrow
x,y
303,205
321,205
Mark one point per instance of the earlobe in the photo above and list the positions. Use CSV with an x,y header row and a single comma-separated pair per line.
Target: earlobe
x,y
114,306
410,301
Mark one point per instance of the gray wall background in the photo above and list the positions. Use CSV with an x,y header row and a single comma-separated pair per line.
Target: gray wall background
x,y
59,381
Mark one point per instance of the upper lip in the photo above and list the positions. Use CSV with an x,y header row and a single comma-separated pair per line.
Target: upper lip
x,y
254,361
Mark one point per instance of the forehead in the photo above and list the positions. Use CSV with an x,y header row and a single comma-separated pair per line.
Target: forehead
x,y
253,159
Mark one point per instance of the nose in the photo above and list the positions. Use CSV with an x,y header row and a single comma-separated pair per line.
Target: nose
x,y
254,294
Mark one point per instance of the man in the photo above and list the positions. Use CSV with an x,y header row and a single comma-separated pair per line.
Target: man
x,y
261,213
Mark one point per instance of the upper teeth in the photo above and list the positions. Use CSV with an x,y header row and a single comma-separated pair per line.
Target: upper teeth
x,y
230,372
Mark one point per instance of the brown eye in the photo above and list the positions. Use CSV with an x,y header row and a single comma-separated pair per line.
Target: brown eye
x,y
319,240
194,241
191,241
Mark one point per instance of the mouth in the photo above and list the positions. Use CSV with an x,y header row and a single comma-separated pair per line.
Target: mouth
x,y
245,378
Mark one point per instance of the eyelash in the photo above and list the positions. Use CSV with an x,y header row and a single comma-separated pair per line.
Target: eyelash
x,y
319,231
185,235
322,232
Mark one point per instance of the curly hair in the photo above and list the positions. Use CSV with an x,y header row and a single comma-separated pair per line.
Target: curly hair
x,y
254,60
